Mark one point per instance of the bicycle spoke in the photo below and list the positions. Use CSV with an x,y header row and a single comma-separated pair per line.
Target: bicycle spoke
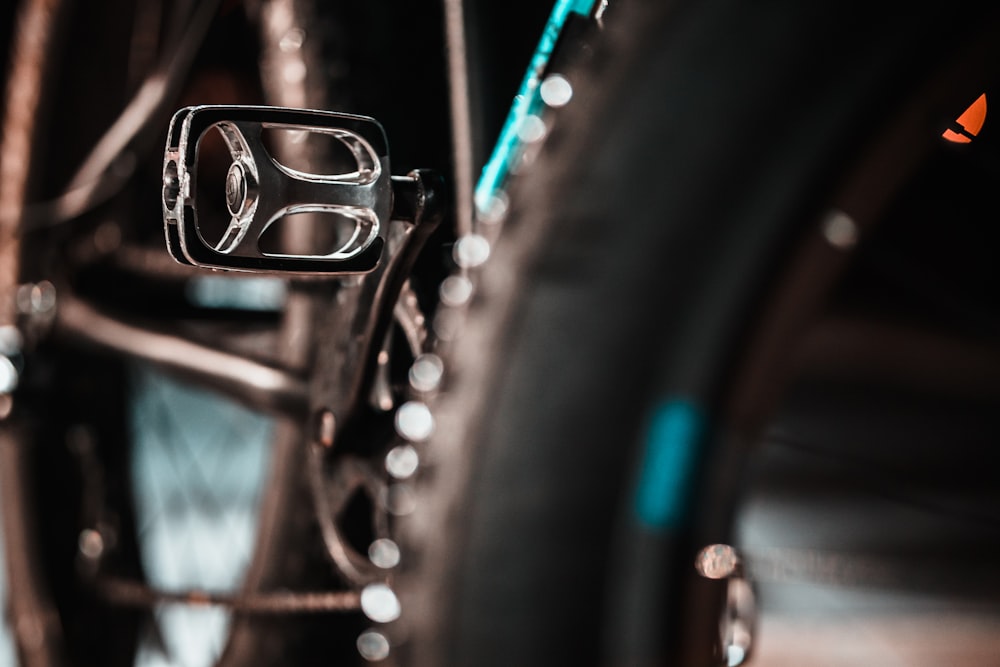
x,y
198,477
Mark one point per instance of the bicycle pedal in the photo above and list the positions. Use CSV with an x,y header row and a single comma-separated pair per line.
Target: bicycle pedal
x,y
258,190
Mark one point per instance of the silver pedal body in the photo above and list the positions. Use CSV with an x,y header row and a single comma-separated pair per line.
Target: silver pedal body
x,y
260,190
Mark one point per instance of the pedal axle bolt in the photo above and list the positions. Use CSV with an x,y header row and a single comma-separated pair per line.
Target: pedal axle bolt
x,y
236,189
171,185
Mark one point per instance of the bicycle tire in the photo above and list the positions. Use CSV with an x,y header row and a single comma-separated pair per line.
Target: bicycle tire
x,y
663,249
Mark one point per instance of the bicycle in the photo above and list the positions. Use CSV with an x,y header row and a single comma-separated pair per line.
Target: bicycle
x,y
703,383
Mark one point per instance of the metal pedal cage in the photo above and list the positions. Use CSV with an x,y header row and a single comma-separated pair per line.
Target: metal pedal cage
x,y
261,190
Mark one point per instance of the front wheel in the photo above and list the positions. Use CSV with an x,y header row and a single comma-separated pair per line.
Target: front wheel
x,y
635,324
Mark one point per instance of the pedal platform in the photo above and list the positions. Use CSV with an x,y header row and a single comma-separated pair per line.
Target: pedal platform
x,y
259,190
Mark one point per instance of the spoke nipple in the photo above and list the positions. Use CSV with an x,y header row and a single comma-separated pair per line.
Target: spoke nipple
x,y
36,298
326,427
236,189
171,185
717,561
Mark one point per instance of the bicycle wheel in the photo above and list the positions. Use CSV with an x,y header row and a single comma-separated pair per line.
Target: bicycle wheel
x,y
632,329
131,498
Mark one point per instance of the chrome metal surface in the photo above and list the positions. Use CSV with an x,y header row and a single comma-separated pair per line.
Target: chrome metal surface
x,y
260,190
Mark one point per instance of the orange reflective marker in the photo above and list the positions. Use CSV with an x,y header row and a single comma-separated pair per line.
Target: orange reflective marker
x,y
970,122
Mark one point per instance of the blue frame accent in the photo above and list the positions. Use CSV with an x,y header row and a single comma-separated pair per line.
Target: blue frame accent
x,y
672,450
527,102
